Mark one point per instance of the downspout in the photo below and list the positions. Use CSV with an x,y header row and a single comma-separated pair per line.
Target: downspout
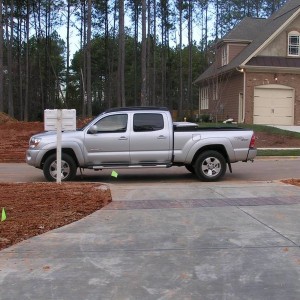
x,y
244,98
242,70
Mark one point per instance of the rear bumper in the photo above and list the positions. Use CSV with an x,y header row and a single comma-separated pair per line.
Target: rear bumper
x,y
252,154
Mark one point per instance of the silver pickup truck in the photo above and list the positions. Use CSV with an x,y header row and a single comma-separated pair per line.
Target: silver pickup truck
x,y
142,137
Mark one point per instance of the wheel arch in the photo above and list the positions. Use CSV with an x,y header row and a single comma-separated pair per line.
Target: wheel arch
x,y
217,147
68,151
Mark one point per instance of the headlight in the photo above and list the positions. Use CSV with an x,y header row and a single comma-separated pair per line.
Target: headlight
x,y
33,142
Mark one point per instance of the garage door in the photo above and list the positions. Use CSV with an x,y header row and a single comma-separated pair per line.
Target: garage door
x,y
273,105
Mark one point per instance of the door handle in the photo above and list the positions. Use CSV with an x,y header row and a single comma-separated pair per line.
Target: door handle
x,y
161,137
123,138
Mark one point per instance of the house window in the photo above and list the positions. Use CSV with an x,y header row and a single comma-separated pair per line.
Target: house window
x,y
224,56
204,98
215,90
294,43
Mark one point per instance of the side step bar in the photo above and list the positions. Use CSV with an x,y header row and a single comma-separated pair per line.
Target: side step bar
x,y
130,166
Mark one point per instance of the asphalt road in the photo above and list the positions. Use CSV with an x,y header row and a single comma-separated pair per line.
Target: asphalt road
x,y
259,170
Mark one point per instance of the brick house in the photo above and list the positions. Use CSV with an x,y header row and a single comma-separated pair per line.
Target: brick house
x,y
255,78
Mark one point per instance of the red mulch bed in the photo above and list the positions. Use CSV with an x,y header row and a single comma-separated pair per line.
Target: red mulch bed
x,y
34,208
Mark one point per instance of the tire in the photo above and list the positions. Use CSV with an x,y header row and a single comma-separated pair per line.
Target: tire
x,y
210,166
68,167
190,168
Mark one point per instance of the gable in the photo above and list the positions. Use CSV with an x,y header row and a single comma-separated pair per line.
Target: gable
x,y
279,45
227,52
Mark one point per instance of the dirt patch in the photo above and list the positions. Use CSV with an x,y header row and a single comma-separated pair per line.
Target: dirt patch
x,y
14,138
34,208
266,140
4,118
292,181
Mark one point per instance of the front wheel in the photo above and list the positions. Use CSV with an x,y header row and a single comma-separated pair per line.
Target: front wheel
x,y
68,168
210,166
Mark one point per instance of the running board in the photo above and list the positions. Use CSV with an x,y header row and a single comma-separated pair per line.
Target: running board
x,y
131,166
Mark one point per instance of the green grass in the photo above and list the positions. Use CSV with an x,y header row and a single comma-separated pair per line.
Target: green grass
x,y
278,152
271,130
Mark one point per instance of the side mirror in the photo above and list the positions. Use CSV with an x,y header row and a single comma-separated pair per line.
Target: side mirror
x,y
93,129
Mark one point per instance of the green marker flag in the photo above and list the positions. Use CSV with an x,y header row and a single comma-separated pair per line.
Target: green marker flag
x,y
3,215
114,174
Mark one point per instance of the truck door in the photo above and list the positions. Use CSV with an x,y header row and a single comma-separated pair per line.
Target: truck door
x,y
107,141
150,139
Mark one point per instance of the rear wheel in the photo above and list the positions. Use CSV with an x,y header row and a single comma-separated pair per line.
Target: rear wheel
x,y
210,166
68,168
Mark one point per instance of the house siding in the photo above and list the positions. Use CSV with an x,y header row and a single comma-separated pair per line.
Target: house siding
x,y
234,50
227,104
257,79
229,96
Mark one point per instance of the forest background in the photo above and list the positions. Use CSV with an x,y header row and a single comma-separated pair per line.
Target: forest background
x,y
95,54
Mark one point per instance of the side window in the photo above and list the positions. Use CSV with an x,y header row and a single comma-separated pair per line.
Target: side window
x,y
147,122
115,123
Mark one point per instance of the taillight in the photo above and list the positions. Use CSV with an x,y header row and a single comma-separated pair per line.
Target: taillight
x,y
252,142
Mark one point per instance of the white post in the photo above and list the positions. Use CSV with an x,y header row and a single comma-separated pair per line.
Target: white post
x,y
59,120
58,148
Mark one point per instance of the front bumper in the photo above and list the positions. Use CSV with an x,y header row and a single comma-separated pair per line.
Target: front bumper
x,y
34,157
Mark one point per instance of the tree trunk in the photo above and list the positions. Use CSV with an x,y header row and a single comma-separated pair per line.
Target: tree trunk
x,y
27,65
144,100
190,68
10,39
82,45
1,59
68,51
154,54
136,36
180,104
88,62
107,93
121,65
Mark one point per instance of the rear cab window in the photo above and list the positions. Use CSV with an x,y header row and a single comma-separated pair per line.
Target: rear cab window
x,y
143,122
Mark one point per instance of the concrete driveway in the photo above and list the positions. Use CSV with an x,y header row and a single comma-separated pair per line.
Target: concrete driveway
x,y
289,128
167,241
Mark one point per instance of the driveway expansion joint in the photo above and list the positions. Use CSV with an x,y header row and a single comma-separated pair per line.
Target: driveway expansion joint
x,y
266,225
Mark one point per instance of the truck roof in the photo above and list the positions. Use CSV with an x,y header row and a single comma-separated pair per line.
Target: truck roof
x,y
137,108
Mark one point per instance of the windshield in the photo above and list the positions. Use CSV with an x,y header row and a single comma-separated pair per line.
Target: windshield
x,y
84,126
